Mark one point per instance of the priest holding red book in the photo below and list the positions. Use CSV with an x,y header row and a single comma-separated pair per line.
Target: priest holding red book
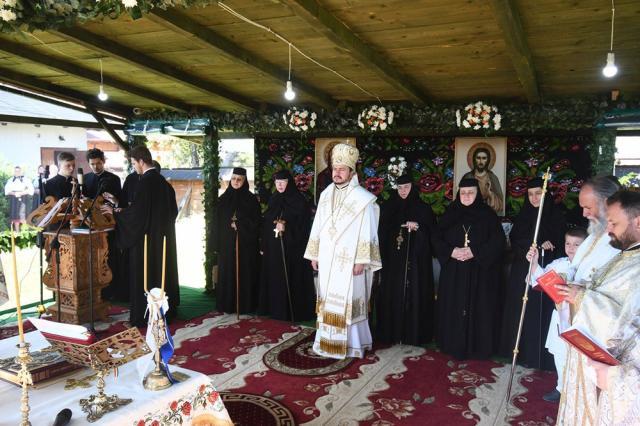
x,y
608,307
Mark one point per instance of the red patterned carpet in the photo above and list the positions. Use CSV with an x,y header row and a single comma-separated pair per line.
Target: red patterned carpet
x,y
398,385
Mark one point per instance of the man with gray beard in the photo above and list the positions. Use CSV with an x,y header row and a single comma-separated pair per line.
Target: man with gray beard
x,y
594,252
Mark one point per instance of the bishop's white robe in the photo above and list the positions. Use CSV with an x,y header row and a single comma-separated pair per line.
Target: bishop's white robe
x,y
344,233
604,310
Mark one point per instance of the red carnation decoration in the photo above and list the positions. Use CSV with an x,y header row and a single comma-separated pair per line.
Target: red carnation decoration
x,y
375,185
303,182
517,187
430,183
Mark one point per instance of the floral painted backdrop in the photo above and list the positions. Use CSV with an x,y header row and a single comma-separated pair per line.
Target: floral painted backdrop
x,y
429,160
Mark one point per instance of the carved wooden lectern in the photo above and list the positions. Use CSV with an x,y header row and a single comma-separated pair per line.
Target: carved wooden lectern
x,y
74,256
74,275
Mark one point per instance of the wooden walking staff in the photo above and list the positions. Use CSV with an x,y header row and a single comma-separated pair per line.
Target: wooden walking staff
x,y
234,219
525,297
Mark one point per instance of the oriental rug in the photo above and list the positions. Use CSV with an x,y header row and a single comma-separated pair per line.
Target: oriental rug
x,y
391,385
296,357
252,410
397,385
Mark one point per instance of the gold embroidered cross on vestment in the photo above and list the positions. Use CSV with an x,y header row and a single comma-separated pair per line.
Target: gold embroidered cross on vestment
x,y
343,258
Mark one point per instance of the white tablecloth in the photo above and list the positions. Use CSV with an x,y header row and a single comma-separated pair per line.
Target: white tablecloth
x,y
190,401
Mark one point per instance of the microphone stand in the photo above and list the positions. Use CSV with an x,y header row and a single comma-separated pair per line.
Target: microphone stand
x,y
55,245
40,243
88,215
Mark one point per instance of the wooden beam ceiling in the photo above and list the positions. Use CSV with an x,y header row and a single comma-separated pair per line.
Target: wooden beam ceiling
x,y
110,128
51,98
332,28
506,13
148,63
33,55
54,122
182,24
31,83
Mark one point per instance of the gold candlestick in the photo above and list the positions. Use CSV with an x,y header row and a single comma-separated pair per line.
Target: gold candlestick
x,y
24,377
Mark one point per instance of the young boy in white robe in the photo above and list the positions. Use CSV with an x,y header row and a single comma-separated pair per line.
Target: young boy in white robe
x,y
572,240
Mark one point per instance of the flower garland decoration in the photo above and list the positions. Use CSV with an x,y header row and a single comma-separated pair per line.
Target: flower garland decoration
x,y
299,120
395,169
479,116
375,118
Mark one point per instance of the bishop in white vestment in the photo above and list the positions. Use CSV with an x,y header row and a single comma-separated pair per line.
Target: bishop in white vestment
x,y
343,247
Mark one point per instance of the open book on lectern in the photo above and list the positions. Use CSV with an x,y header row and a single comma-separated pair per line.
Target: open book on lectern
x,y
71,333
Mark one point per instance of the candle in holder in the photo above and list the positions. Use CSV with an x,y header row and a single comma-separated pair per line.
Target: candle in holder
x,y
17,285
164,261
145,264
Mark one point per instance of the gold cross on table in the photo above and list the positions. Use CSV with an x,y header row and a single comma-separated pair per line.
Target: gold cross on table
x,y
344,258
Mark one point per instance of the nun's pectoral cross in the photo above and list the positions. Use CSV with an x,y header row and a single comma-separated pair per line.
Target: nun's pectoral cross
x,y
399,239
466,236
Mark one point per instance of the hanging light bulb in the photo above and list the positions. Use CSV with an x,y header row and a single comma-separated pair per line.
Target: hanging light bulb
x,y
610,68
102,95
289,94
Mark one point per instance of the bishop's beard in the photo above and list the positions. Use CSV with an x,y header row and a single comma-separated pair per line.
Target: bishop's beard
x,y
596,227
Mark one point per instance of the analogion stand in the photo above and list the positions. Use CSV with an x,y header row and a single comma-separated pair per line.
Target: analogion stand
x,y
74,275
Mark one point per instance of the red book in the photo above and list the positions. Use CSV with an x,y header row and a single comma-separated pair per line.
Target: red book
x,y
547,282
588,345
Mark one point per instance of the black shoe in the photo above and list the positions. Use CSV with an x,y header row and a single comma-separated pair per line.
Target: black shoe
x,y
553,396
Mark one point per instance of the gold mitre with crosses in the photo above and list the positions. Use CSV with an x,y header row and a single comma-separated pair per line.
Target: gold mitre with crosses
x,y
344,155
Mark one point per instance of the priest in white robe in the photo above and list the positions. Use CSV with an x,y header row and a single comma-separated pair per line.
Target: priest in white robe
x,y
343,247
592,254
594,394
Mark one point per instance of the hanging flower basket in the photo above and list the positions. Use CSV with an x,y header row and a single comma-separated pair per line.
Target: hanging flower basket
x,y
299,120
375,118
479,116
395,169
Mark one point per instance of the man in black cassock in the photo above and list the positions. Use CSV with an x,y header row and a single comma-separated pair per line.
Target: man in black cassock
x,y
287,220
99,178
97,183
238,225
60,185
469,244
152,213
405,310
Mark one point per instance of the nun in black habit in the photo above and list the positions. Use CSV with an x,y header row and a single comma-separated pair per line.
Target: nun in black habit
x,y
539,306
469,245
405,310
288,207
238,217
